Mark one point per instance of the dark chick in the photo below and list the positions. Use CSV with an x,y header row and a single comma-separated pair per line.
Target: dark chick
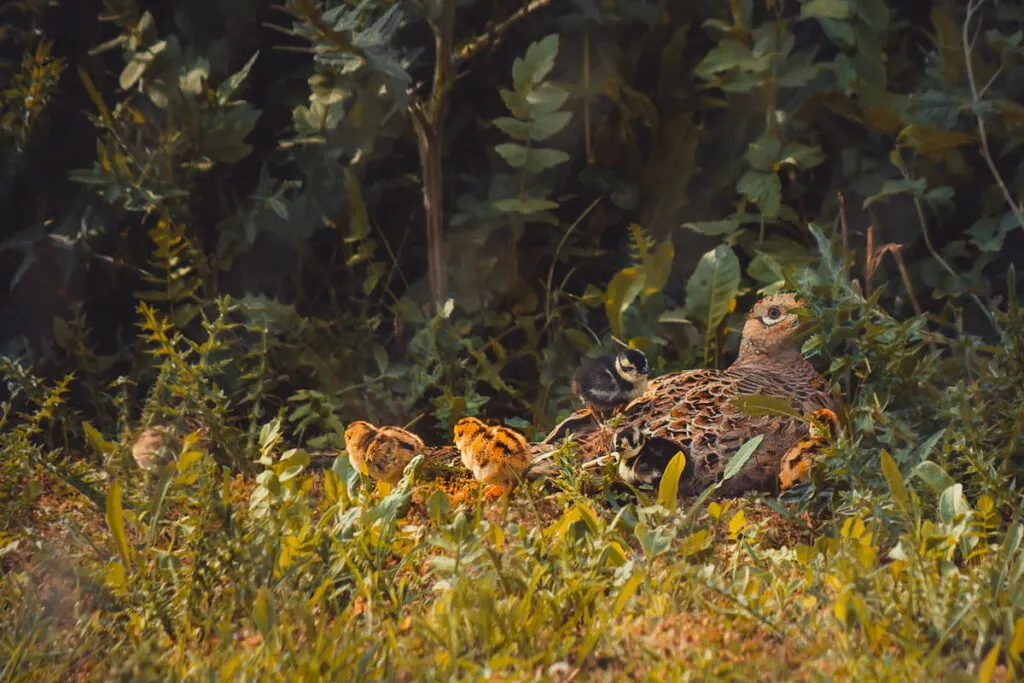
x,y
606,382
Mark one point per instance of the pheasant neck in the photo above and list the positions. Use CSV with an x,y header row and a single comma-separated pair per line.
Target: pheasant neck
x,y
788,361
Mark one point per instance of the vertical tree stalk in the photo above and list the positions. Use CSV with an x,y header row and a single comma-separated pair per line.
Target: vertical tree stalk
x,y
429,120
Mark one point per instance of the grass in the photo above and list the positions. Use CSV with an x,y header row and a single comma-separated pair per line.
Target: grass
x,y
310,574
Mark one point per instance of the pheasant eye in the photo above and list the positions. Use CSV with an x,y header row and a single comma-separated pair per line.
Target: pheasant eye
x,y
772,315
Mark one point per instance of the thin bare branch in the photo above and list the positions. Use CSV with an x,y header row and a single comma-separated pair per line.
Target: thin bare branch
x,y
972,7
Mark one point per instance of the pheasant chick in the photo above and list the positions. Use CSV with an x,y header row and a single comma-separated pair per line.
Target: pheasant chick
x,y
497,456
606,382
381,453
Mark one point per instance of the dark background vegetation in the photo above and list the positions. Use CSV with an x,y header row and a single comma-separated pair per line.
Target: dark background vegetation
x,y
269,220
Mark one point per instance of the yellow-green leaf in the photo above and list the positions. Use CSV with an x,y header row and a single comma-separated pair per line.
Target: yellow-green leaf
x,y
668,488
625,593
96,440
988,665
891,471
263,613
623,289
737,523
1017,644
115,521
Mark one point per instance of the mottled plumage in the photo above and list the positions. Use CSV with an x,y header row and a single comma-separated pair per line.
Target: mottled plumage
x,y
690,411
381,453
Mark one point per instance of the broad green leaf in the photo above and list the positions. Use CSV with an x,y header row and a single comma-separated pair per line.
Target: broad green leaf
x,y
802,156
668,487
762,188
763,153
934,476
740,458
713,286
952,504
757,404
291,464
891,471
830,9
115,522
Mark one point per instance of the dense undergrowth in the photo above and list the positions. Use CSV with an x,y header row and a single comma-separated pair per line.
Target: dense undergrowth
x,y
271,223
902,557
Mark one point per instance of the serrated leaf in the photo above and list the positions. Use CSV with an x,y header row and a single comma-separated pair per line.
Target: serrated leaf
x,y
802,156
713,286
668,487
96,440
764,189
740,458
546,99
228,87
543,126
536,64
763,153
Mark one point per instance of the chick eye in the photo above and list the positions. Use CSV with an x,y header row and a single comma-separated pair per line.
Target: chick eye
x,y
772,315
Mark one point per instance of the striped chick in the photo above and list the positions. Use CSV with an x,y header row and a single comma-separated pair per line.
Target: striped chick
x,y
381,453
497,456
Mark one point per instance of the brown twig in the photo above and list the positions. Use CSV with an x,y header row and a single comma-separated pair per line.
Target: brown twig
x,y
976,95
874,258
493,35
